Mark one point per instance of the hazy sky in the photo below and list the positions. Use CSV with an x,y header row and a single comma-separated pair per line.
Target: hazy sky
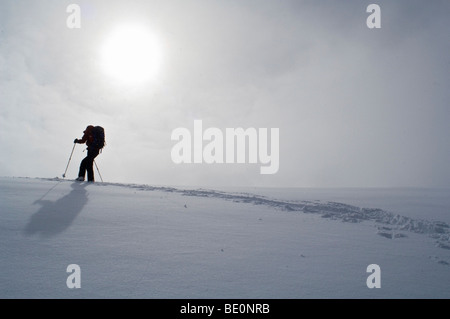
x,y
355,107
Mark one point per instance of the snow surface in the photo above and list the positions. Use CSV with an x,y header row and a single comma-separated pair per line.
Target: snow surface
x,y
140,241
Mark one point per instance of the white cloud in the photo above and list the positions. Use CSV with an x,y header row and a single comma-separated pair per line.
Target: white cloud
x,y
355,107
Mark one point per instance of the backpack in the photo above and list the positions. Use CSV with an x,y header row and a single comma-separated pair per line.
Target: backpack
x,y
98,137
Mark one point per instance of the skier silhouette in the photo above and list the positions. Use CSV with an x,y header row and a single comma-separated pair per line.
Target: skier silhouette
x,y
93,149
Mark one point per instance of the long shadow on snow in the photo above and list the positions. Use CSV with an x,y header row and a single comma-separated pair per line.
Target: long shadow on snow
x,y
56,216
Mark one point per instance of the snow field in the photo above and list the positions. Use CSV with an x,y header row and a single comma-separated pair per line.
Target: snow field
x,y
138,241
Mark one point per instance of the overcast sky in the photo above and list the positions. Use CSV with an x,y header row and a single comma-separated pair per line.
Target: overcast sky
x,y
355,107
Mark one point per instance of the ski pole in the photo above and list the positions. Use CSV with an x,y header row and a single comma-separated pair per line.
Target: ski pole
x,y
98,171
64,175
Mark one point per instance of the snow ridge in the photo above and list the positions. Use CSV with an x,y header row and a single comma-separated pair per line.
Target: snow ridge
x,y
388,224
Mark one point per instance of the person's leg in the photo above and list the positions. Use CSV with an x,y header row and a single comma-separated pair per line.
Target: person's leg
x,y
83,167
92,154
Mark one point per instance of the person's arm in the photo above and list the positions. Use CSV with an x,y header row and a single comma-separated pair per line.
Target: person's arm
x,y
84,138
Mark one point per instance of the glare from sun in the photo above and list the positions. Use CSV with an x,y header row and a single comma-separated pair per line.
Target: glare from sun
x,y
131,54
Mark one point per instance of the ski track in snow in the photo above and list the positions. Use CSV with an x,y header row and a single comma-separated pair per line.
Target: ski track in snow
x,y
389,225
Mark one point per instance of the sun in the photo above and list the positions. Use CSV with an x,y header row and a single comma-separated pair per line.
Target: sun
x,y
131,54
